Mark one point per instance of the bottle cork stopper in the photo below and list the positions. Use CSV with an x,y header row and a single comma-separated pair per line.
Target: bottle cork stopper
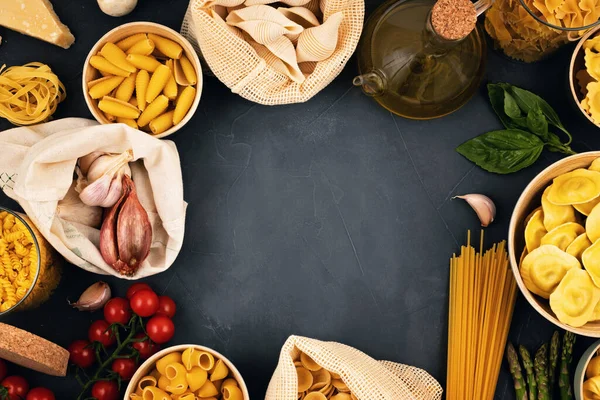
x,y
453,19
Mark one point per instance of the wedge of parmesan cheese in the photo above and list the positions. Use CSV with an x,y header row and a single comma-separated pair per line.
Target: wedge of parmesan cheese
x,y
35,18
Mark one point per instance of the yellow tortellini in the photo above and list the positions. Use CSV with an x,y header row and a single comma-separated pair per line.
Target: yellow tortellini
x,y
575,187
575,298
190,375
563,235
579,245
591,261
555,215
543,269
592,224
535,230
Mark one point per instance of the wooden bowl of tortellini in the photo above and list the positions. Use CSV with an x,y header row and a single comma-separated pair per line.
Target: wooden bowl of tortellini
x,y
187,372
554,243
587,374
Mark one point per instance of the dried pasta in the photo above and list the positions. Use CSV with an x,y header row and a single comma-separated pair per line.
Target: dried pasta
x,y
589,79
188,375
29,94
314,382
482,298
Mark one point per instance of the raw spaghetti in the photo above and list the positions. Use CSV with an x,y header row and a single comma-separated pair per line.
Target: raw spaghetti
x,y
29,94
482,299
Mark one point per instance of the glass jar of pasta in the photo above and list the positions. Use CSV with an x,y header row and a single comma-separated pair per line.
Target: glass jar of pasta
x,y
30,269
530,30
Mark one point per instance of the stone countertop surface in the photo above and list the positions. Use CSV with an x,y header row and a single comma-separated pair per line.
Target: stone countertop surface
x,y
331,219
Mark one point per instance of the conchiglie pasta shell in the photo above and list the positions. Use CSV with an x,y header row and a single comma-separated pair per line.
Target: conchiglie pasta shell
x,y
315,7
300,15
224,3
563,235
264,23
219,19
556,215
578,246
319,43
575,187
575,298
535,231
544,268
291,70
308,68
591,261
293,3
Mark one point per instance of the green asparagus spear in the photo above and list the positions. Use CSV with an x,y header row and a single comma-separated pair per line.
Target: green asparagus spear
x,y
554,347
528,365
515,370
564,379
540,365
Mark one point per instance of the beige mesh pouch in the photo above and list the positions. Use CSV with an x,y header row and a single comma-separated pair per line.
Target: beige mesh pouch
x,y
367,378
238,65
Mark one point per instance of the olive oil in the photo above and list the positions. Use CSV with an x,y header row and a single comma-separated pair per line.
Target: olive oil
x,y
409,69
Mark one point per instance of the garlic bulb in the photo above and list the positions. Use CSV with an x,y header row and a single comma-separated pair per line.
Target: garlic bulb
x,y
117,8
484,207
101,185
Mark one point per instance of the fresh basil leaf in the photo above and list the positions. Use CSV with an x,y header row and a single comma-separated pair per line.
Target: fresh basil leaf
x,y
527,101
537,123
511,108
554,145
496,93
504,151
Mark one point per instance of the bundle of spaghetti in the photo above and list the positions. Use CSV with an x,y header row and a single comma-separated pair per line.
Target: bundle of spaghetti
x,y
29,94
482,299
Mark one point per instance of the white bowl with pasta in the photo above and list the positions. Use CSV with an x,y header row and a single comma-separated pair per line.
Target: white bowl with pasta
x,y
199,364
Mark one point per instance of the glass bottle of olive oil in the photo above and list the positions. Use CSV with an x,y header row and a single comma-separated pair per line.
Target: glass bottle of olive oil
x,y
410,69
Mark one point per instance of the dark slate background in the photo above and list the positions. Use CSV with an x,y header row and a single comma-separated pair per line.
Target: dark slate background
x,y
331,219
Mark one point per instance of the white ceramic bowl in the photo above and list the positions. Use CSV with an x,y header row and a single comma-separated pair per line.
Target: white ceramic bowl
x,y
148,365
581,367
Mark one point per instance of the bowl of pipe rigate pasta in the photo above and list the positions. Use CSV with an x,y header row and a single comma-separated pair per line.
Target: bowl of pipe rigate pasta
x,y
584,75
29,267
187,372
144,75
554,243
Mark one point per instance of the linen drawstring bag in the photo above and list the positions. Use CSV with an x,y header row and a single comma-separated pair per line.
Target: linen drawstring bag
x,y
37,170
367,378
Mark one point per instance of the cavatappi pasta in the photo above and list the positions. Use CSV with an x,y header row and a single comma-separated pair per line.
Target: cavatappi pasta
x,y
316,383
142,67
19,263
188,375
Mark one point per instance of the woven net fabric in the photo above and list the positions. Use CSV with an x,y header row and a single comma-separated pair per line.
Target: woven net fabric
x,y
237,65
367,378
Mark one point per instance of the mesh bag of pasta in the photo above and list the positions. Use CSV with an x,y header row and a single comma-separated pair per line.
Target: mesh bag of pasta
x,y
41,170
310,369
275,54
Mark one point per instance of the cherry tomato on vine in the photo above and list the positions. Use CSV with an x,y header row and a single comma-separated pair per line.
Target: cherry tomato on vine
x,y
40,393
117,310
105,390
125,367
3,369
16,386
136,287
146,348
81,354
160,329
166,306
144,303
100,332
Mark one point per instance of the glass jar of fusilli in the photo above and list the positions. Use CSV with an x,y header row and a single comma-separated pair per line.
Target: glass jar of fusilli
x,y
29,267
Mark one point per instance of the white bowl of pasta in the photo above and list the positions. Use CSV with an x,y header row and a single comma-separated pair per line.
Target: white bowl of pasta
x,y
187,372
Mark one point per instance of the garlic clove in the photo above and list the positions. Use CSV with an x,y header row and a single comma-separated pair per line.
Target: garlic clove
x,y
114,192
95,193
108,232
483,206
85,161
93,298
108,164
134,232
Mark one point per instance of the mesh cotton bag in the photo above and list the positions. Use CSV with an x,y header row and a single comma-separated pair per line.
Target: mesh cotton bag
x,y
237,64
367,379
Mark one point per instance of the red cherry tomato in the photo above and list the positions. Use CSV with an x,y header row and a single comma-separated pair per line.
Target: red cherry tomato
x,y
81,354
125,367
166,306
40,393
136,287
146,348
117,310
16,386
100,332
160,329
105,390
144,303
3,369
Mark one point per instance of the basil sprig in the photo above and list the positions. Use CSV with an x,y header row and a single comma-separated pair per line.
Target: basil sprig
x,y
527,119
